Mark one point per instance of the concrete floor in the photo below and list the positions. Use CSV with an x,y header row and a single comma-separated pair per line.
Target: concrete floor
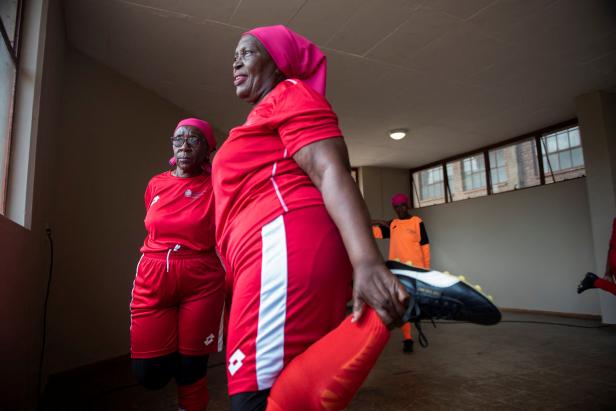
x,y
514,366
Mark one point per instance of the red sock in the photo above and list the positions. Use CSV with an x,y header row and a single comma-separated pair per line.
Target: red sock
x,y
406,331
328,374
605,285
194,397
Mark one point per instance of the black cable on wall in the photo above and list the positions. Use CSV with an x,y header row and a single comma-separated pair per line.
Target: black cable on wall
x,y
45,307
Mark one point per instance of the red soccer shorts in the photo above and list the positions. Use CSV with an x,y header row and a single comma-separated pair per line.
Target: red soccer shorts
x,y
290,281
177,304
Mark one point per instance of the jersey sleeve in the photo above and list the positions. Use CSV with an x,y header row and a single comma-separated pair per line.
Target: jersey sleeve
x,y
303,117
147,197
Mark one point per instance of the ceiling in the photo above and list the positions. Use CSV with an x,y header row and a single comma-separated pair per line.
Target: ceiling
x,y
459,74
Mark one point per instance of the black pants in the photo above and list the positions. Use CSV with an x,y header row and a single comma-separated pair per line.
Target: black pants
x,y
155,373
250,401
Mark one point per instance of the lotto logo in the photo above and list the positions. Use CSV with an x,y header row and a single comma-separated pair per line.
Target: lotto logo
x,y
235,361
209,339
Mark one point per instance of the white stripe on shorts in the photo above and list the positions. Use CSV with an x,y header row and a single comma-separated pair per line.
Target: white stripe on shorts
x,y
273,304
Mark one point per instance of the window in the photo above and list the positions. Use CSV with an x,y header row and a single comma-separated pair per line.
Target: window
x,y
474,172
513,164
498,166
562,155
9,28
430,186
466,178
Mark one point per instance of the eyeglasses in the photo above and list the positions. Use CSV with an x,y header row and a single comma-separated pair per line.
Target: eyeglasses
x,y
178,141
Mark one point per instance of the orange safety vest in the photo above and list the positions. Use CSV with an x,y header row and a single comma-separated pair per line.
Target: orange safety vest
x,y
405,242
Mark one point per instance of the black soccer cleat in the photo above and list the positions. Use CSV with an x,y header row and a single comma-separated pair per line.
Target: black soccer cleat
x,y
587,282
407,346
436,295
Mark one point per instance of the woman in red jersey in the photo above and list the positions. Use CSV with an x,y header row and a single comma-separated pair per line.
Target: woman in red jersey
x,y
178,294
294,234
608,282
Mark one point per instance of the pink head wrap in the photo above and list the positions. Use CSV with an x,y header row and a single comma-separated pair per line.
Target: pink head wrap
x,y
296,56
205,129
399,199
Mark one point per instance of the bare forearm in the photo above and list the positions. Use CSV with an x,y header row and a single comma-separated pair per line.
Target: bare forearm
x,y
326,162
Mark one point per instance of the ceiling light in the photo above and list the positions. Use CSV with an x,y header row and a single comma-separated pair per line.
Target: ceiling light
x,y
398,134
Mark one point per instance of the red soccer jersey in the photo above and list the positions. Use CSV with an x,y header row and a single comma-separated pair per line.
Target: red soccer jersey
x,y
254,175
179,211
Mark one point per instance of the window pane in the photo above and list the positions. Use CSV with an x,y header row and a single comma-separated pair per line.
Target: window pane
x,y
502,175
553,162
7,77
577,158
551,142
466,178
566,162
519,167
428,187
574,137
563,141
564,159
8,14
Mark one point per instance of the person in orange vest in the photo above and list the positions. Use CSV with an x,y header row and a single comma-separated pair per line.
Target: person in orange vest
x,y
408,244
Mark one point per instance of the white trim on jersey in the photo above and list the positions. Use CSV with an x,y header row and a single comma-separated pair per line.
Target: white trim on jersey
x,y
273,180
273,304
433,278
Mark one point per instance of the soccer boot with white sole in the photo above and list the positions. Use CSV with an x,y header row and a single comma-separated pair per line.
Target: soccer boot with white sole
x,y
587,282
437,295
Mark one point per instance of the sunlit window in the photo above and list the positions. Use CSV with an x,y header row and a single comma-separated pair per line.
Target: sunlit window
x,y
562,155
513,165
9,54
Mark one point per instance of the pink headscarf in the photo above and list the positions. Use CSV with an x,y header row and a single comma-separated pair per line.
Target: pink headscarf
x,y
296,56
205,129
399,199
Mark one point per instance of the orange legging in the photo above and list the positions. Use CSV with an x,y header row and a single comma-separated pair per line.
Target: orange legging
x,y
605,285
328,374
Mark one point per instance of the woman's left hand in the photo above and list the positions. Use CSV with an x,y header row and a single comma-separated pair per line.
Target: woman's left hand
x,y
375,285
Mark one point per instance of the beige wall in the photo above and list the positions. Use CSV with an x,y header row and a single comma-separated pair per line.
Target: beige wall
x,y
527,248
597,113
114,137
379,184
24,252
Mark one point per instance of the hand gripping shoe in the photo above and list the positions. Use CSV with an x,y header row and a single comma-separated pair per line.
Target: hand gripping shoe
x,y
436,295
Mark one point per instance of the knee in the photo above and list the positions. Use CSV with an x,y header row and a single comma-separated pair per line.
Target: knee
x,y
155,373
191,369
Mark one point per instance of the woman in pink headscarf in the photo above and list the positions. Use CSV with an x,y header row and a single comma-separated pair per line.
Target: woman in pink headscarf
x,y
294,234
178,293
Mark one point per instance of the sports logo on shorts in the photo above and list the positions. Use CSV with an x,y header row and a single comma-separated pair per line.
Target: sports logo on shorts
x,y
235,361
209,339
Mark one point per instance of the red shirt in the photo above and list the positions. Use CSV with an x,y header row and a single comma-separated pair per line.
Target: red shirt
x,y
254,176
179,211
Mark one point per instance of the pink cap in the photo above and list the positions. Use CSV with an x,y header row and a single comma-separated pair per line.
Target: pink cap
x,y
296,56
399,199
205,129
